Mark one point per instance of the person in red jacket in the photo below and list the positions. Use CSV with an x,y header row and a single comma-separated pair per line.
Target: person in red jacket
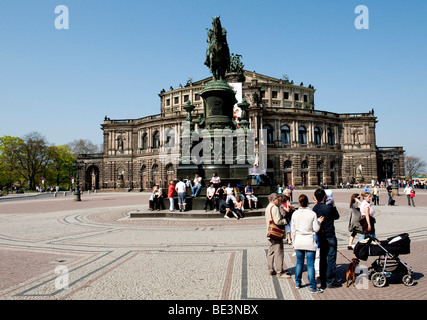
x,y
171,193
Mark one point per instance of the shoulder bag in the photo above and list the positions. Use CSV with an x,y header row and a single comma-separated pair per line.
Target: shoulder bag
x,y
274,232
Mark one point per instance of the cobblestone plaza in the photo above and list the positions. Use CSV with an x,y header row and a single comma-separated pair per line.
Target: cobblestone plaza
x,y
57,248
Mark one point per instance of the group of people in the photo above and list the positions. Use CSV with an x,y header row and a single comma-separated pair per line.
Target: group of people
x,y
409,191
312,231
228,200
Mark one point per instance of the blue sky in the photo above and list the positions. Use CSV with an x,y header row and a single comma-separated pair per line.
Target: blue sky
x,y
117,56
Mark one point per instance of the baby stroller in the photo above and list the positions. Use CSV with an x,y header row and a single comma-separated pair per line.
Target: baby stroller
x,y
388,263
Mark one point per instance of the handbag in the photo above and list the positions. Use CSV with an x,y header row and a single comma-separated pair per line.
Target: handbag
x,y
274,232
412,194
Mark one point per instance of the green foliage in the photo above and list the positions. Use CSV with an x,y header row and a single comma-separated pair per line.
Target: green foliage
x,y
25,161
60,165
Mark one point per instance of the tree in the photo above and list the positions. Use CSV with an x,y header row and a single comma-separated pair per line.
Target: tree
x,y
60,164
413,165
82,146
26,158
8,168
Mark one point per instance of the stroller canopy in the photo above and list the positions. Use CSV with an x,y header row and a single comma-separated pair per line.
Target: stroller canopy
x,y
395,245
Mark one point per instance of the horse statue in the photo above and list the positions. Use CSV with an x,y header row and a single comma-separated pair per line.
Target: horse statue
x,y
217,52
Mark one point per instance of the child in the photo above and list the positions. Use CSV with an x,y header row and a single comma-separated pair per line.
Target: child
x,y
329,197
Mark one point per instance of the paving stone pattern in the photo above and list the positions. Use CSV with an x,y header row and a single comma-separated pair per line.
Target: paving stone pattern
x,y
58,248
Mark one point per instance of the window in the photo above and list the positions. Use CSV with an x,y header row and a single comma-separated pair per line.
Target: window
x,y
269,133
176,100
286,135
144,145
302,135
262,93
317,136
330,137
305,98
296,96
186,98
286,95
168,102
156,140
197,97
170,138
287,165
274,94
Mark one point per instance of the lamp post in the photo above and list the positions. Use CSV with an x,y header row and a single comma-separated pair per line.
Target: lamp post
x,y
77,165
394,181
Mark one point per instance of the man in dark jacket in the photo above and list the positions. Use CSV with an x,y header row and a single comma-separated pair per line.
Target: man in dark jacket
x,y
327,240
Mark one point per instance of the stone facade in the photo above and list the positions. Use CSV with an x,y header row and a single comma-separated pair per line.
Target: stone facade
x,y
305,146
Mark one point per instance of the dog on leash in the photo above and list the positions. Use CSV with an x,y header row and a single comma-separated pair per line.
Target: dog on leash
x,y
350,275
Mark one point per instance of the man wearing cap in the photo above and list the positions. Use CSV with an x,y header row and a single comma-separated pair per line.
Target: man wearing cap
x,y
275,250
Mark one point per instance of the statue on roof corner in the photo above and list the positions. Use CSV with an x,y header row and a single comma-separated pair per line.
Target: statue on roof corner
x,y
236,65
217,52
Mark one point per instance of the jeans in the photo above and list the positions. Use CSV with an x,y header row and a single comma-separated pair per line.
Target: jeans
x,y
181,199
311,255
410,199
197,190
328,261
210,202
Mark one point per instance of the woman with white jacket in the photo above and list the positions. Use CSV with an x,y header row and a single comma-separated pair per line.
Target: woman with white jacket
x,y
305,224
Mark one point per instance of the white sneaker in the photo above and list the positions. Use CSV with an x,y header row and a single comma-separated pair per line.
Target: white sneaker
x,y
317,290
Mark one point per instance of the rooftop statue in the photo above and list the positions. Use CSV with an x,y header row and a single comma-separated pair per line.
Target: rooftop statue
x,y
217,52
236,64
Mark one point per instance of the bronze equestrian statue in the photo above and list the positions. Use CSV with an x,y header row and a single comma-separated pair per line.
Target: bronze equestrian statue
x,y
217,52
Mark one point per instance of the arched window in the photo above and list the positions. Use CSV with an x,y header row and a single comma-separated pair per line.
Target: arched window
x,y
304,173
170,173
287,165
269,132
170,137
332,171
302,135
286,135
144,144
304,166
320,173
156,140
155,173
317,135
330,137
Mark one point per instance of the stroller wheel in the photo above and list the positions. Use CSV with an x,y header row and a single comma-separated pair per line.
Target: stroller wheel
x,y
408,280
378,279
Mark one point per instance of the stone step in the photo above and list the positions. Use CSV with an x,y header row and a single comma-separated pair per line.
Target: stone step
x,y
258,190
191,214
198,203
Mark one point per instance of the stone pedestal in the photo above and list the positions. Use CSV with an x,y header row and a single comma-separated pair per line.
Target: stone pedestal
x,y
218,101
